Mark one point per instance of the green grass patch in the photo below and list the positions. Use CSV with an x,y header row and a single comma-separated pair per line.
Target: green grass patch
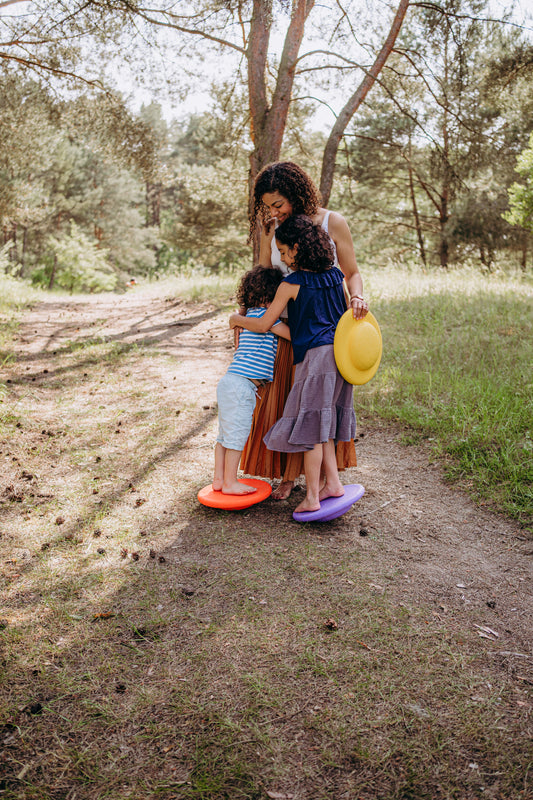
x,y
15,296
456,369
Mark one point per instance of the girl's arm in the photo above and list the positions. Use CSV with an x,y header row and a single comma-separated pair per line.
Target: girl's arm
x,y
281,329
285,292
340,233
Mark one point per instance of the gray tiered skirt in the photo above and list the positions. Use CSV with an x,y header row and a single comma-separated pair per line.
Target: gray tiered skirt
x,y
319,406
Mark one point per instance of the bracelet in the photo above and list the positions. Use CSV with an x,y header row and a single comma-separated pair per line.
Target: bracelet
x,y
358,296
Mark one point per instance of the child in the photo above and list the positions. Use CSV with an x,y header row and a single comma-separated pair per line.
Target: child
x,y
252,366
319,408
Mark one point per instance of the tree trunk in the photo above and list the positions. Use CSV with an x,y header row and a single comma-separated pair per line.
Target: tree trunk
x,y
24,246
444,215
523,260
416,215
444,249
337,132
53,273
153,204
267,122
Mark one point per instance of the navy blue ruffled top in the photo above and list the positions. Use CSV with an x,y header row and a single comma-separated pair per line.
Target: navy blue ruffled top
x,y
313,316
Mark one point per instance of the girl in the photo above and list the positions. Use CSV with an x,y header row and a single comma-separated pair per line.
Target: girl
x,y
319,408
282,189
252,366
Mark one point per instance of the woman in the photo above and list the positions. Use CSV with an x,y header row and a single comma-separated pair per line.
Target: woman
x,y
280,190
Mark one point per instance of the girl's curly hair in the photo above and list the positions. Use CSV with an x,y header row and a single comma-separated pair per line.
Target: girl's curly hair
x,y
315,249
258,286
291,182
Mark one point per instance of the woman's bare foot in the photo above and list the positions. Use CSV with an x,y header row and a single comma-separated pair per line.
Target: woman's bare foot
x,y
283,491
238,488
308,505
327,490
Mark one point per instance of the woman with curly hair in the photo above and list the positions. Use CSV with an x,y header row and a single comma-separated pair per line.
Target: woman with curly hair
x,y
280,190
319,409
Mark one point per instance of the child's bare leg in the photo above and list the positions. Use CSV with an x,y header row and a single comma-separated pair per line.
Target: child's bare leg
x,y
333,486
312,468
220,455
230,483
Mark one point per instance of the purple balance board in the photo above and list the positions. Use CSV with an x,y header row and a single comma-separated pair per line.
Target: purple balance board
x,y
332,507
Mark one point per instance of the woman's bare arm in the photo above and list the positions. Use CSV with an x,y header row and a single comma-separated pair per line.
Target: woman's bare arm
x,y
340,233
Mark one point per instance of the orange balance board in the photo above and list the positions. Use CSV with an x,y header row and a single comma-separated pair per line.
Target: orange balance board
x,y
235,502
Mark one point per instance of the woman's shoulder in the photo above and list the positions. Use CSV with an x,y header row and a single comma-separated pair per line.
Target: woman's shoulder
x,y
334,220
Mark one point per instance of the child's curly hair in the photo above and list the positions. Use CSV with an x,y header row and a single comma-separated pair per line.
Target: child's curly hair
x,y
291,182
315,248
258,286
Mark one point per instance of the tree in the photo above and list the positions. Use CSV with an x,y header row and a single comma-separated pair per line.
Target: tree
x,y
431,149
354,102
521,194
79,265
244,29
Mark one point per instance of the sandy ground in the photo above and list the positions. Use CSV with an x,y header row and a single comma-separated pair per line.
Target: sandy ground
x,y
422,541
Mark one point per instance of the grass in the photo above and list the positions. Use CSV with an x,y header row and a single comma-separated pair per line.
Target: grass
x,y
14,297
216,696
214,674
456,370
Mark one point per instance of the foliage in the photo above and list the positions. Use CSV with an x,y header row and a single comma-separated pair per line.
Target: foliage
x,y
425,167
431,158
521,194
77,264
455,371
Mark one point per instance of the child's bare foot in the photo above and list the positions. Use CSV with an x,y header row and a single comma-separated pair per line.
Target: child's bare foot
x,y
308,505
238,488
328,490
283,491
217,485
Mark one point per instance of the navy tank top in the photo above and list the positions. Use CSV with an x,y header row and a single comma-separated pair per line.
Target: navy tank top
x,y
313,316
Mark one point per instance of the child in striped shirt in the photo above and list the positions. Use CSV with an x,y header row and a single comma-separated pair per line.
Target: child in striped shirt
x,y
252,366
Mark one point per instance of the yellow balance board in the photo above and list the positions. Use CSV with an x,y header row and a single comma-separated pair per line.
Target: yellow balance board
x,y
357,347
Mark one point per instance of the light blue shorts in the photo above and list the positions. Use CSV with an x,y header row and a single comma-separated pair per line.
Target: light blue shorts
x,y
236,397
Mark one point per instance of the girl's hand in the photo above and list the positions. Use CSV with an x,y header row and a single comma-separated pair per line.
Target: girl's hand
x,y
359,306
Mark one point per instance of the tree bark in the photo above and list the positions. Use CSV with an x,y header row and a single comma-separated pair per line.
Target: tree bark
x,y
416,215
337,132
268,121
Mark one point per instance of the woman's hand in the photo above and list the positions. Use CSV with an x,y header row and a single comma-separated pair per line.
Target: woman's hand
x,y
359,306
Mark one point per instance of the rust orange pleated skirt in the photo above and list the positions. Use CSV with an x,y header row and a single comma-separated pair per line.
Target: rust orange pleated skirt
x,y
256,459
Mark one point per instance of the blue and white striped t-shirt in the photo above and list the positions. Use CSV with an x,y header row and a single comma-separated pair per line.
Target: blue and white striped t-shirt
x,y
256,353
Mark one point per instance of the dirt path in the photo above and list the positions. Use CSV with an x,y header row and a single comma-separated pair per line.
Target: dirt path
x,y
113,411
426,542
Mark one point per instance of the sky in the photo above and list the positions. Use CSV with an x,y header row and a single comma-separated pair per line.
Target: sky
x,y
199,99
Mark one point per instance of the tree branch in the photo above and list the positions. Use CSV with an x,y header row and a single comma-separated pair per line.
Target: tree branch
x,y
38,66
332,145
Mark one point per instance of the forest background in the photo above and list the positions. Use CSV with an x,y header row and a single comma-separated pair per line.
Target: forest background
x,y
414,118
153,647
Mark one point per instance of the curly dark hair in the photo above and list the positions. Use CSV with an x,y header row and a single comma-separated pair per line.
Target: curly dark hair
x,y
292,182
258,286
315,249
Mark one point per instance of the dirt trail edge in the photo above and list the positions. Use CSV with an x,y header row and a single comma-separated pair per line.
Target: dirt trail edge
x,y
425,543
